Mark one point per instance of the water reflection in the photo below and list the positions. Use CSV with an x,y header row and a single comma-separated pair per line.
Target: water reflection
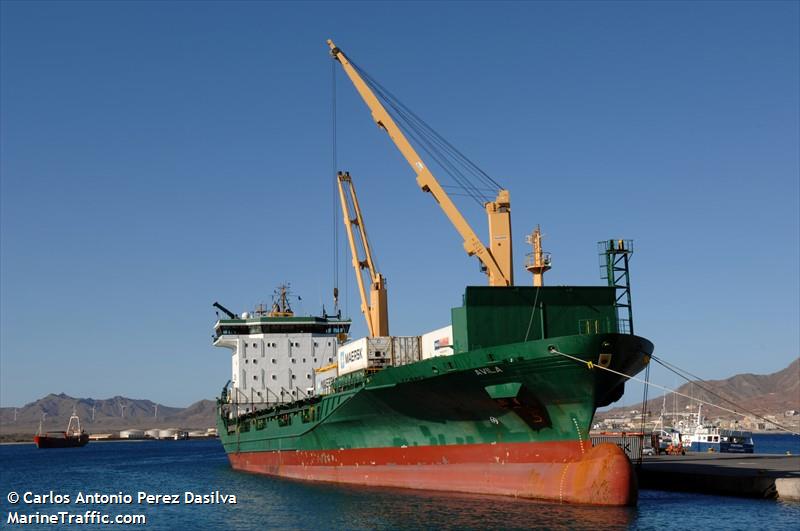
x,y
351,507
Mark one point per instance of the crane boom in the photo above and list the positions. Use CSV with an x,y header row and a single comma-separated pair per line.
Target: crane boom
x,y
497,261
376,311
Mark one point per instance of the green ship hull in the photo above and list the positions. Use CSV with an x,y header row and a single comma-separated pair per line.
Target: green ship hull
x,y
508,413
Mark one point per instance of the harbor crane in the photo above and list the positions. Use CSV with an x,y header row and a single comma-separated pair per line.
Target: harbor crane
x,y
496,260
376,310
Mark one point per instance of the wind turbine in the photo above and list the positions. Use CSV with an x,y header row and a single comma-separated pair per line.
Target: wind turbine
x,y
156,415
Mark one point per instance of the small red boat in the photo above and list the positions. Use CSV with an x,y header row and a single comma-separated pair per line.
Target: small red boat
x,y
74,437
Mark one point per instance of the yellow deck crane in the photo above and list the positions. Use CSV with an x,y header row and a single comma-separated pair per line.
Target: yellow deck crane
x,y
495,260
376,311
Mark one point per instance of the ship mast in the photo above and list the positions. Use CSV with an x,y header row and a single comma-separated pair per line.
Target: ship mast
x,y
537,261
280,303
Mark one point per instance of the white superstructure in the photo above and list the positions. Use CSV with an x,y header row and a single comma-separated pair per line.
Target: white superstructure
x,y
275,355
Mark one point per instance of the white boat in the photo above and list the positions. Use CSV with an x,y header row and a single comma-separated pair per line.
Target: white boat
x,y
706,437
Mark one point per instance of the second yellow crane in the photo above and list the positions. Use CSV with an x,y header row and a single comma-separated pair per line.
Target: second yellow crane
x,y
376,311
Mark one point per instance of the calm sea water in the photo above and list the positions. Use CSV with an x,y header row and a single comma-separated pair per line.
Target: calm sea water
x,y
266,503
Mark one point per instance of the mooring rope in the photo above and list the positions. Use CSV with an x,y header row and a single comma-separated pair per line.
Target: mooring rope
x,y
591,365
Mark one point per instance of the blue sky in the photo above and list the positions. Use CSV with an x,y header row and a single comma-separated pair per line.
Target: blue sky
x,y
156,157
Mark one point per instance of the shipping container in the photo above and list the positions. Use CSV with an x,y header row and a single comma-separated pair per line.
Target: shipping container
x,y
323,379
405,350
437,343
630,443
365,353
352,356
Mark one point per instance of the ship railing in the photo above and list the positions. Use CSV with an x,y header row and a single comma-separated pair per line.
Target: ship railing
x,y
245,404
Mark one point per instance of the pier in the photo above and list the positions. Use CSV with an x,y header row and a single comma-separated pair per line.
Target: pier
x,y
746,475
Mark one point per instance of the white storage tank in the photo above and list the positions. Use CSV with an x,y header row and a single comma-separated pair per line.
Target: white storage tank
x,y
131,434
437,343
169,433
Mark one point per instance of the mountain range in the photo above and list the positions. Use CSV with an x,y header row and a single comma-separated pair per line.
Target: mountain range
x,y
763,394
106,415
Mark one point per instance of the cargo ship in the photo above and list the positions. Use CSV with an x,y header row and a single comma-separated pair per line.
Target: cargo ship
x,y
498,401
73,437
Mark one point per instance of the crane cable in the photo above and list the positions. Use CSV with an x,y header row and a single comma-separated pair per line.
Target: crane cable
x,y
456,164
677,370
335,210
591,365
437,148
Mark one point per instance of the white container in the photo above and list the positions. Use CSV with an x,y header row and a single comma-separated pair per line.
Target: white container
x,y
323,380
379,352
437,343
352,356
405,350
367,352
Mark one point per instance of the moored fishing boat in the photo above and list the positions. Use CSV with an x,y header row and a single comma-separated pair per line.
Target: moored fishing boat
x,y
73,437
704,436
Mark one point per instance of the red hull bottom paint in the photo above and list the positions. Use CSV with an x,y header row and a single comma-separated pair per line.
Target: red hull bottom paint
x,y
560,471
71,441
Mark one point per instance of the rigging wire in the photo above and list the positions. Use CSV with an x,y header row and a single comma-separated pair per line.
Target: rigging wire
x,y
335,209
482,174
591,365
533,311
644,408
677,370
468,175
435,146
437,149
